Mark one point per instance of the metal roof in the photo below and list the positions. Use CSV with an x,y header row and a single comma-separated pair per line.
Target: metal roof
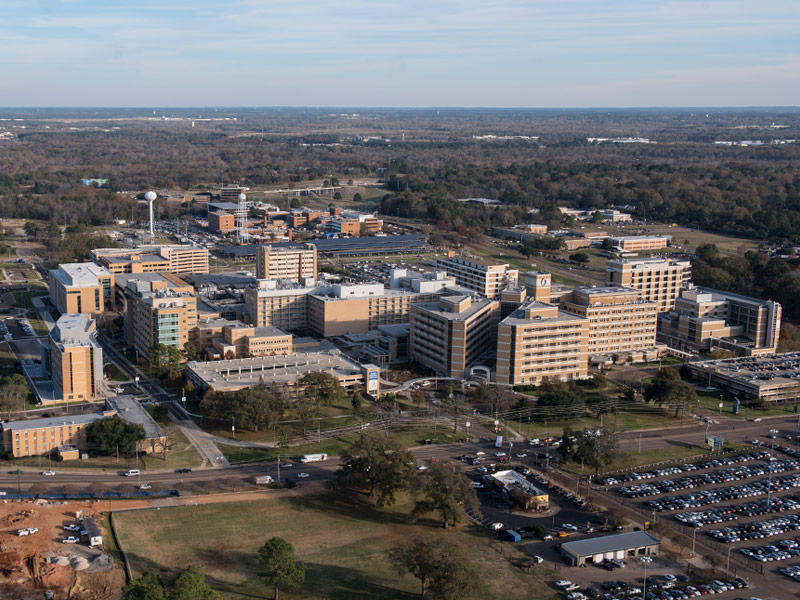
x,y
610,543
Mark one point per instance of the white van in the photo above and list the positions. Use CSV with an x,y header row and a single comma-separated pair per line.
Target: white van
x,y
132,473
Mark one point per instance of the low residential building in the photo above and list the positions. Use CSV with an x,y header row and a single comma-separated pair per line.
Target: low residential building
x,y
76,360
486,277
153,259
81,288
658,279
520,491
620,320
158,308
621,546
450,335
286,262
232,375
635,243
704,318
539,341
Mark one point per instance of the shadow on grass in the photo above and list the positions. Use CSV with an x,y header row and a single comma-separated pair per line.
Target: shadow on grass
x,y
348,504
339,583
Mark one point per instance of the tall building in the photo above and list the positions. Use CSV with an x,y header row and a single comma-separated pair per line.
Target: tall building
x,y
76,359
635,243
704,318
450,335
279,305
230,193
153,259
286,263
486,277
158,308
81,288
342,309
620,320
538,341
658,279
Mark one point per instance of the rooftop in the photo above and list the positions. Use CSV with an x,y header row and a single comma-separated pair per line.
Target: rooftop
x,y
73,330
518,316
80,274
610,543
511,478
52,422
129,409
478,304
245,372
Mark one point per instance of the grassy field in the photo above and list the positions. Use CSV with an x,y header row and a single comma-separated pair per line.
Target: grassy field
x,y
408,436
181,453
7,360
710,400
39,326
341,539
22,299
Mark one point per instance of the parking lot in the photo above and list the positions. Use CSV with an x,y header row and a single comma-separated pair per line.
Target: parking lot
x,y
745,506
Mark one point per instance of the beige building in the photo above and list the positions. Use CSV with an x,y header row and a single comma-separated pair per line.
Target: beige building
x,y
658,279
286,263
537,341
343,309
450,335
274,304
222,339
81,288
635,243
705,318
158,308
620,320
76,360
153,259
486,277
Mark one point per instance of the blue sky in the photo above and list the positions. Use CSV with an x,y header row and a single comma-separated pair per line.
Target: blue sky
x,y
491,53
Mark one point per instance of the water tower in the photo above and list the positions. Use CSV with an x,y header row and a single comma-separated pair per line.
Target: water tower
x,y
150,197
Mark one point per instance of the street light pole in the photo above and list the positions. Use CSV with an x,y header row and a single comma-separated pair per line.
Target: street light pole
x,y
645,561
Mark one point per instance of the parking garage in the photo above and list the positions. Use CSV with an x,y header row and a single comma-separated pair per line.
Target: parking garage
x,y
610,547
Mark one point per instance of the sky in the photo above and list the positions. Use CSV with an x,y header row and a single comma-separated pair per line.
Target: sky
x,y
417,53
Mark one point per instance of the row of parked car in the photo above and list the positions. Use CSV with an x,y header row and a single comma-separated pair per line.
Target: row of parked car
x,y
672,588
726,475
756,531
713,516
715,463
792,572
734,492
26,327
783,550
5,332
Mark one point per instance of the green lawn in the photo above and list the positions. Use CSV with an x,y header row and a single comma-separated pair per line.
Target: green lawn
x,y
22,299
39,326
710,400
113,373
7,360
341,539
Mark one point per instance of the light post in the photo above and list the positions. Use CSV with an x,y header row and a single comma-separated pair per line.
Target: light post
x,y
646,560
728,568
694,536
467,425
774,432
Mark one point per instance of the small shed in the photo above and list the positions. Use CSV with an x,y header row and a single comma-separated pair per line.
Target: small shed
x,y
92,530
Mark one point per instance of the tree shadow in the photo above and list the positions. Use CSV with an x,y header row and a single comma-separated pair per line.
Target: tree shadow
x,y
351,505
340,583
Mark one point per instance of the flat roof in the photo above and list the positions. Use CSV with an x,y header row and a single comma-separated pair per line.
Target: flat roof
x,y
518,316
80,274
73,330
511,478
471,310
365,244
52,422
288,368
767,371
610,543
474,259
129,409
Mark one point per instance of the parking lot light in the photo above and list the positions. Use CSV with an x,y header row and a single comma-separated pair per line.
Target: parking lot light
x,y
646,560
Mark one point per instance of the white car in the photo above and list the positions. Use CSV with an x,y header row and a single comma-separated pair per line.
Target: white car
x,y
21,532
522,455
70,540
563,583
72,527
32,530
302,475
48,473
477,485
538,560
670,577
496,526
576,596
287,466
422,468
499,454
569,527
145,486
